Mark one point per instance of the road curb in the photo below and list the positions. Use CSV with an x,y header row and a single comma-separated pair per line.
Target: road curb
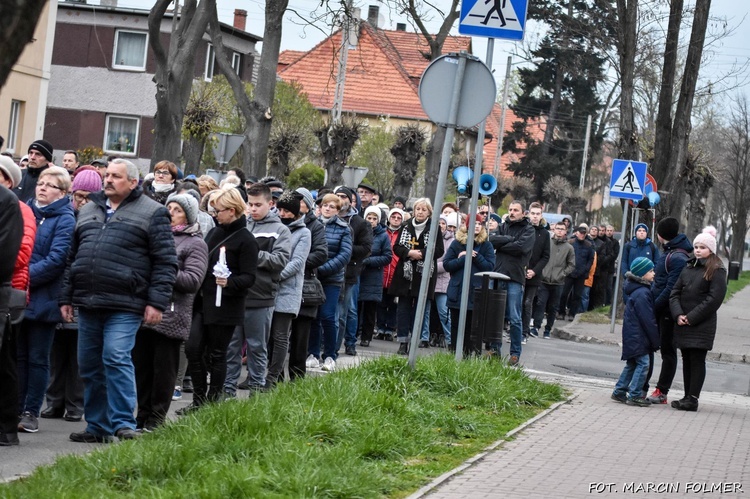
x,y
422,492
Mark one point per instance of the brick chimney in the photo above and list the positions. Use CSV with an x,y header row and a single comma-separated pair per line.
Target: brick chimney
x,y
240,19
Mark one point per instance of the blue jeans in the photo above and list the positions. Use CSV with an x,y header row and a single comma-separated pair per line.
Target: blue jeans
x,y
441,302
255,332
513,313
325,326
105,342
585,299
407,312
633,377
34,346
348,316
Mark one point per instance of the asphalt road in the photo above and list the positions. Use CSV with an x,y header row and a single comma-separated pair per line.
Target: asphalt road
x,y
554,359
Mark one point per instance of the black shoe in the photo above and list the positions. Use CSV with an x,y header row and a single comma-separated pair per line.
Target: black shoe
x,y
8,439
245,385
687,404
188,409
52,413
350,350
424,344
364,343
638,401
619,398
89,438
187,385
403,349
72,416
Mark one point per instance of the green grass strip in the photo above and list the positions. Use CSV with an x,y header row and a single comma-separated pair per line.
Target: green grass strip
x,y
379,430
739,284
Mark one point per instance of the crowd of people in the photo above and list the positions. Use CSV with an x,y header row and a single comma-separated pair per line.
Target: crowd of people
x,y
134,291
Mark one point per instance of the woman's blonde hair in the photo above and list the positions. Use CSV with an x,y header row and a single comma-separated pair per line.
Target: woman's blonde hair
x,y
61,174
424,201
331,198
228,198
207,182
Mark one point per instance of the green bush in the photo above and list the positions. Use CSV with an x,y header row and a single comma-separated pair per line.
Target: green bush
x,y
309,176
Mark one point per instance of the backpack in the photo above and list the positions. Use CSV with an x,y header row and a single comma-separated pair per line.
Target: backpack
x,y
669,256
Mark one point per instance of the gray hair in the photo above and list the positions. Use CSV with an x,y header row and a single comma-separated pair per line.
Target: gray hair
x,y
133,171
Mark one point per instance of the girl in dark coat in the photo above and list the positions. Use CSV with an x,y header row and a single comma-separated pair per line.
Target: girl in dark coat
x,y
695,298
371,280
483,260
213,327
411,248
157,347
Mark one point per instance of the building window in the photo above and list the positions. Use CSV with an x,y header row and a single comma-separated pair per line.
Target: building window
x,y
210,63
237,63
121,134
130,50
13,126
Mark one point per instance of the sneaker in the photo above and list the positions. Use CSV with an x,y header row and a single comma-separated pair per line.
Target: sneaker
x,y
329,364
245,385
534,332
686,404
127,434
403,349
513,361
89,438
364,343
523,340
546,335
619,398
657,397
28,423
389,335
638,401
380,334
424,344
350,350
312,362
177,395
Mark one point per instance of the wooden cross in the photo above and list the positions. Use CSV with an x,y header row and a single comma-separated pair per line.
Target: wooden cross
x,y
413,243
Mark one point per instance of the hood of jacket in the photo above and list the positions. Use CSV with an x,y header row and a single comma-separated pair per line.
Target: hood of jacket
x,y
270,218
633,281
462,236
297,224
681,241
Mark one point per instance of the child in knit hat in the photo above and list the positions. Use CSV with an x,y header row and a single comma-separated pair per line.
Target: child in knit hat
x,y
640,334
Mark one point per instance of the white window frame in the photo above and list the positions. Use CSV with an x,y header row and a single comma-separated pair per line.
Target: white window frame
x,y
114,51
237,62
210,63
136,142
15,119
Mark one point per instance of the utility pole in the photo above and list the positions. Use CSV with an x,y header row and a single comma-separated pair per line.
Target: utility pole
x,y
346,27
585,154
501,128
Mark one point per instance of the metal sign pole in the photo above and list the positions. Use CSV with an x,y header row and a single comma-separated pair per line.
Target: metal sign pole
x,y
466,285
619,268
434,220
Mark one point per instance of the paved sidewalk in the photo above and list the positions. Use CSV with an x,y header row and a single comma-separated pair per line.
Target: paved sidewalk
x,y
593,446
732,342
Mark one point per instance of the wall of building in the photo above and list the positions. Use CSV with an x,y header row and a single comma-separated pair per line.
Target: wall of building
x,y
28,84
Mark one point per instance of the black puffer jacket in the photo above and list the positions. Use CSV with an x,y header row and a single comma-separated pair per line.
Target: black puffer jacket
x,y
125,263
699,299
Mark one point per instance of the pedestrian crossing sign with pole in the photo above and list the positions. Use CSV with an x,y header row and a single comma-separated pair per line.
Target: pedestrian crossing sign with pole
x,y
628,179
504,19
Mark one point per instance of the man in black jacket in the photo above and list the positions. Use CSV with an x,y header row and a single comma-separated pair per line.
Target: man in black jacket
x,y
11,232
121,268
537,262
570,300
318,255
361,247
513,245
40,157
605,260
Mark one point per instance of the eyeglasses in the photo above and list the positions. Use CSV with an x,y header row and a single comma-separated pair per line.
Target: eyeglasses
x,y
80,197
161,173
51,186
330,206
219,210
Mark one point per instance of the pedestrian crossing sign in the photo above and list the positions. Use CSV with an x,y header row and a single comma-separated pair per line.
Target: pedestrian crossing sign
x,y
628,179
493,18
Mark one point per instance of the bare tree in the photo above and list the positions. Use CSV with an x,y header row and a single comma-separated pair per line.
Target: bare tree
x,y
408,150
18,21
257,112
336,143
558,190
174,70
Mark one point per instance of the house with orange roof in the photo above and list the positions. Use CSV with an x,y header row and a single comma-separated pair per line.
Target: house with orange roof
x,y
383,71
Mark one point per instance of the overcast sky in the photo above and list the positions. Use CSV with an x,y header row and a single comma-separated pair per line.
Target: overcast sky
x,y
724,54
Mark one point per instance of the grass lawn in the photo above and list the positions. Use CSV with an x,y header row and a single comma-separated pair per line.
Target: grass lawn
x,y
734,286
379,430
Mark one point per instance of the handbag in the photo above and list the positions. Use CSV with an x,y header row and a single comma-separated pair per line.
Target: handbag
x,y
313,294
17,305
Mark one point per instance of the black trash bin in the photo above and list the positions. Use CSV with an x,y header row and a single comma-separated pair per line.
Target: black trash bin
x,y
734,271
489,310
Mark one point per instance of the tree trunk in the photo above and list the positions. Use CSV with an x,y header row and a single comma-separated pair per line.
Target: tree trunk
x,y
663,133
174,72
336,143
739,229
258,112
432,164
627,12
675,203
192,154
18,21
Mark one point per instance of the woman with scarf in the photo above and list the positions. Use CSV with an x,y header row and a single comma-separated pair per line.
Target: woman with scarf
x,y
411,248
164,182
